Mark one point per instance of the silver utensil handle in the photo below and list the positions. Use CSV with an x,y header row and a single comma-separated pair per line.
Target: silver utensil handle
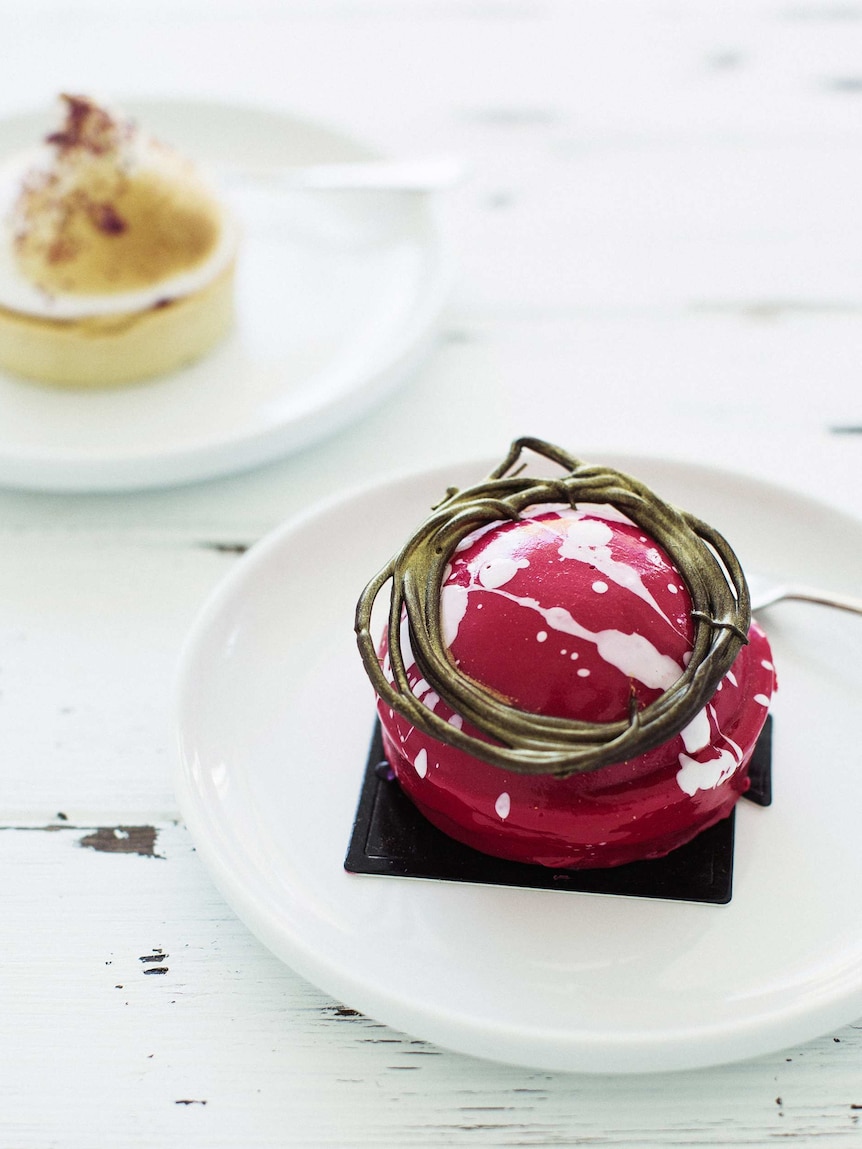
x,y
826,598
427,174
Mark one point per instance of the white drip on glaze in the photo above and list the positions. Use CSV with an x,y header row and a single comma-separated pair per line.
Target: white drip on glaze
x,y
587,540
631,654
420,763
695,775
497,572
583,539
696,736
404,643
453,607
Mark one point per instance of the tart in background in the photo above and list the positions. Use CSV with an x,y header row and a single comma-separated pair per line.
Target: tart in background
x,y
116,256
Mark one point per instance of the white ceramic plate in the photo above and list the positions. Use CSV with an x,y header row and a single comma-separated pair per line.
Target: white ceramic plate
x,y
338,296
274,718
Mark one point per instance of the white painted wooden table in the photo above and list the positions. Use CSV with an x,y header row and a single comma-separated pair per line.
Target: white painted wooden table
x,y
659,249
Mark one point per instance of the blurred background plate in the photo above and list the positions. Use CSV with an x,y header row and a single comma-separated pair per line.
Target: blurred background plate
x,y
338,296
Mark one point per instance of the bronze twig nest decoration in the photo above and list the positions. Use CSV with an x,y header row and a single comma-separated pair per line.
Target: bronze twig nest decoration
x,y
519,740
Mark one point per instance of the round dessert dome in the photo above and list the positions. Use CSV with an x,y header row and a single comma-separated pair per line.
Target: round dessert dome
x,y
572,614
116,255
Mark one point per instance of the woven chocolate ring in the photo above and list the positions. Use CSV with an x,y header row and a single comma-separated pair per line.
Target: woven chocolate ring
x,y
519,740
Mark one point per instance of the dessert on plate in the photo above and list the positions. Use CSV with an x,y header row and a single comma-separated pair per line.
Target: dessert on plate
x,y
570,675
116,255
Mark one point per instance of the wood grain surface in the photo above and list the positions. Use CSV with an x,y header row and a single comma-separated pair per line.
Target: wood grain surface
x,y
658,250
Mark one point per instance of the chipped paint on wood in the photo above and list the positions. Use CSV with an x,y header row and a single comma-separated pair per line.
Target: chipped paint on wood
x,y
226,548
123,840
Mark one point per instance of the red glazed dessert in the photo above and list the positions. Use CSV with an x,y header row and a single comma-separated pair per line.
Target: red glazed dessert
x,y
572,613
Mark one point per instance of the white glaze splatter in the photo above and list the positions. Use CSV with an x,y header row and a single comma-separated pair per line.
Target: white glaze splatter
x,y
404,643
599,511
694,775
632,654
583,534
453,607
474,536
420,763
503,806
696,736
636,657
762,699
582,539
498,572
654,557
587,541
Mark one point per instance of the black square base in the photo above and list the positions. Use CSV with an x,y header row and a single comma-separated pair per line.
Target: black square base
x,y
390,837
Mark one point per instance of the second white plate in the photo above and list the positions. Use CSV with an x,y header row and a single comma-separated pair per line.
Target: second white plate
x,y
338,296
274,719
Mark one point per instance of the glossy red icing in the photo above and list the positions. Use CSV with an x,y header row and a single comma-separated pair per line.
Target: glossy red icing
x,y
565,613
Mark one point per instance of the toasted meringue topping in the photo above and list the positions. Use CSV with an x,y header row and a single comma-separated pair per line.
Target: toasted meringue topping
x,y
103,218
